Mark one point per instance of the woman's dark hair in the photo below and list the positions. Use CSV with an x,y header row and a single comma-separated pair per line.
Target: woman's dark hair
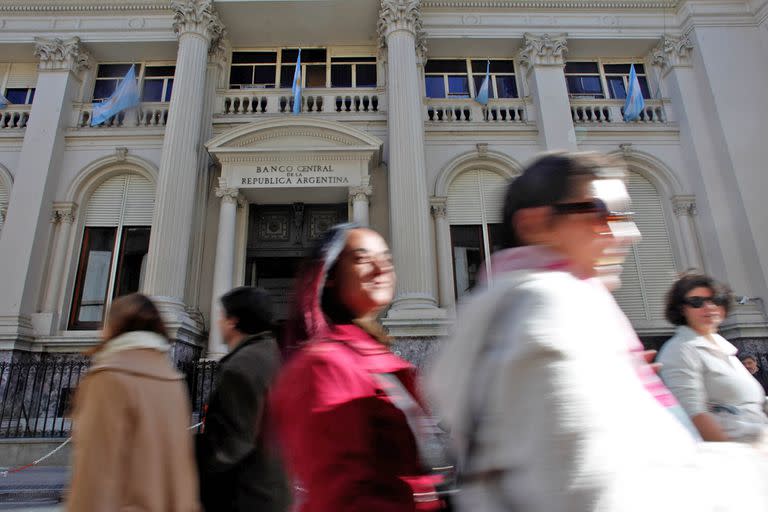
x,y
683,286
134,312
251,307
549,180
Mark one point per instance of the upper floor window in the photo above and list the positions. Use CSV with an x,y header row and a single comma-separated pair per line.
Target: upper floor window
x,y
603,80
155,81
462,78
275,68
18,81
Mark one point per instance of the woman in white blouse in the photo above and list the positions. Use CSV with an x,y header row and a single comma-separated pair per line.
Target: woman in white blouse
x,y
701,369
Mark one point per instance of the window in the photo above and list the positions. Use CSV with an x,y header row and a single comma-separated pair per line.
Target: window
x,y
20,96
463,78
597,80
158,83
475,200
108,77
253,70
353,72
18,83
114,248
313,66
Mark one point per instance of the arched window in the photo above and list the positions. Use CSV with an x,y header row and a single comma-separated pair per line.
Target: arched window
x,y
5,195
113,254
650,269
475,200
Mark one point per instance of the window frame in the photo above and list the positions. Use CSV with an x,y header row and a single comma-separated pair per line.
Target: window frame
x,y
606,91
140,76
470,75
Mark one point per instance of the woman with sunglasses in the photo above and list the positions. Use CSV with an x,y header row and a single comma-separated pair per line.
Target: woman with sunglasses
x,y
700,367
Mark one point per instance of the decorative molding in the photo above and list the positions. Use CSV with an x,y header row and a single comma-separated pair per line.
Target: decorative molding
x,y
544,50
438,206
121,154
63,212
684,206
360,193
225,192
672,52
401,15
552,4
83,7
197,17
56,53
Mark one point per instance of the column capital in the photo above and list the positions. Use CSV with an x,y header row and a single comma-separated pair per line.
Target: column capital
x,y
68,54
672,52
197,17
543,50
63,212
439,207
227,193
405,15
360,193
684,206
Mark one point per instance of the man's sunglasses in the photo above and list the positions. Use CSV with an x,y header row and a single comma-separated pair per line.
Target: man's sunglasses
x,y
697,302
595,206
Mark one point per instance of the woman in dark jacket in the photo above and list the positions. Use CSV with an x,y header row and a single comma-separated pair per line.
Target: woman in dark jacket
x,y
346,440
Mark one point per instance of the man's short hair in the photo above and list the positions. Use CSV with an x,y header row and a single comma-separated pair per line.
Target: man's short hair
x,y
251,307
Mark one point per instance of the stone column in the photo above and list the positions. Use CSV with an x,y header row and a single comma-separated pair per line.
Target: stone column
x,y
444,253
26,233
685,210
223,267
400,31
197,25
359,198
543,58
62,218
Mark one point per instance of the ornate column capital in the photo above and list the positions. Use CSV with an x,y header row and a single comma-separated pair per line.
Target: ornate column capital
x,y
684,206
360,193
197,17
438,206
672,52
543,50
63,212
68,54
405,15
226,193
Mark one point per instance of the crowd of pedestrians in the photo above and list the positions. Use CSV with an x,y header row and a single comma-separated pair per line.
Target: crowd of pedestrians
x,y
546,399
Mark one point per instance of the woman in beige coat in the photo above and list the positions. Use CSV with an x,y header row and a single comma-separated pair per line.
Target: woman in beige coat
x,y
132,449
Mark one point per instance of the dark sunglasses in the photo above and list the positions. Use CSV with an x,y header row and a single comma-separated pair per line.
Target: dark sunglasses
x,y
697,302
595,206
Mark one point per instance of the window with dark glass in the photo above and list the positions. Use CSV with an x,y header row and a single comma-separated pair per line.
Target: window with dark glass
x,y
95,273
353,71
158,83
20,96
462,78
617,80
108,76
502,83
468,244
583,80
313,64
253,70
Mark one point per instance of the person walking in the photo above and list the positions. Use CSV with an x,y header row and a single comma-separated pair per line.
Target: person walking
x,y
239,469
132,449
346,408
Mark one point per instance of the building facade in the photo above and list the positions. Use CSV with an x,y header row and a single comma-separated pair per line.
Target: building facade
x,y
212,182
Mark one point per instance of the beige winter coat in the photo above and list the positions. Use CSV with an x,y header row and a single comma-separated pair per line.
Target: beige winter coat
x,y
132,450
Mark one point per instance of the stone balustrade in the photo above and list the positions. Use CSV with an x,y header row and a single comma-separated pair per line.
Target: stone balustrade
x,y
466,110
14,116
598,111
147,114
265,102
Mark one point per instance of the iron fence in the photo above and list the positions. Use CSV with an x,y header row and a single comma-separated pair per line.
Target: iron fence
x,y
36,397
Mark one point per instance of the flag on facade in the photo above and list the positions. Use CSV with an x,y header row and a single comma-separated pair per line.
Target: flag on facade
x,y
482,94
126,96
297,86
635,103
3,101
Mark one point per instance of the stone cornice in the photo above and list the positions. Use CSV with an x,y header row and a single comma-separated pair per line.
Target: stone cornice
x,y
672,52
100,7
67,54
543,50
551,4
198,17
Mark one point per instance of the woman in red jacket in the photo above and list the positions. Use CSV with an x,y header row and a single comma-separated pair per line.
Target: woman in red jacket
x,y
341,418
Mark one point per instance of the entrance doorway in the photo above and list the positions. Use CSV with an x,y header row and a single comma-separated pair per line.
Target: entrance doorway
x,y
280,237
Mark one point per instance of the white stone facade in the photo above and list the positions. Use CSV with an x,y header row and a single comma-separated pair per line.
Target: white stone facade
x,y
216,184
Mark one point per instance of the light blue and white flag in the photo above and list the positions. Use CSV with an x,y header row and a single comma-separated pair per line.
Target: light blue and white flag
x,y
125,96
296,89
482,94
635,103
3,101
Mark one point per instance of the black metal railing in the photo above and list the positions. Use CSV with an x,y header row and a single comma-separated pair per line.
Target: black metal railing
x,y
36,397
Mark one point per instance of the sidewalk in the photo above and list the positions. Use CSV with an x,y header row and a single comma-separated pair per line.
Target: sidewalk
x,y
36,484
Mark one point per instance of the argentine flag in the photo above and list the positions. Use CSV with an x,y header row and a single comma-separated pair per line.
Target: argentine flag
x,y
635,103
482,94
296,89
3,101
125,96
